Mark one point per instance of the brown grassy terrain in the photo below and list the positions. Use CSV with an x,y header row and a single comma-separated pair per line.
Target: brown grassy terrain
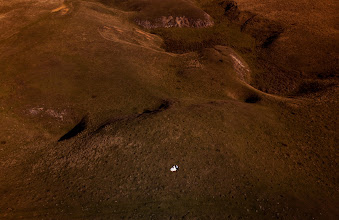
x,y
96,109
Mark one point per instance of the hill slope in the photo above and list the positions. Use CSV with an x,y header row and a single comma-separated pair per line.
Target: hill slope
x,y
96,107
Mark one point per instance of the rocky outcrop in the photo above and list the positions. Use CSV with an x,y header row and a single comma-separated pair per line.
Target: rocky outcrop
x,y
176,21
152,14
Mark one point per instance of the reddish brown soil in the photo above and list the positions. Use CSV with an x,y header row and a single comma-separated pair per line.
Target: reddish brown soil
x,y
95,110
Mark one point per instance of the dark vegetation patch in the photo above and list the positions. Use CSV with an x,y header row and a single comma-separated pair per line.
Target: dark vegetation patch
x,y
327,75
309,87
81,126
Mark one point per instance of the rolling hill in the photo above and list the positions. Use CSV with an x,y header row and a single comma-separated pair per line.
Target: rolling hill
x,y
100,98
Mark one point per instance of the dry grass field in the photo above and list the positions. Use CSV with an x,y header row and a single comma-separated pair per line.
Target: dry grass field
x,y
100,98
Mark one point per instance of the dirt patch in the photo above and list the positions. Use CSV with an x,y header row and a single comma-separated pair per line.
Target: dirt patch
x,y
42,112
129,36
63,9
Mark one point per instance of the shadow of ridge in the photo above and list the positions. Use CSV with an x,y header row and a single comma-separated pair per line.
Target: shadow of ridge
x,y
254,98
165,105
81,126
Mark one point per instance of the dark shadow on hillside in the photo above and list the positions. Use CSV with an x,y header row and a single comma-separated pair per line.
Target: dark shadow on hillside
x,y
81,126
165,104
253,99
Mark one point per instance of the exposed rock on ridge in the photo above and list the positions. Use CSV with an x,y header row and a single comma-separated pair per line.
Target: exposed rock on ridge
x,y
176,21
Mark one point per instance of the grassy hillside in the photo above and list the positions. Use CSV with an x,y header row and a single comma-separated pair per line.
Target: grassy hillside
x,y
95,110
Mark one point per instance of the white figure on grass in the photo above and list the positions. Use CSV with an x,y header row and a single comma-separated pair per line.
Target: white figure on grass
x,y
174,168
